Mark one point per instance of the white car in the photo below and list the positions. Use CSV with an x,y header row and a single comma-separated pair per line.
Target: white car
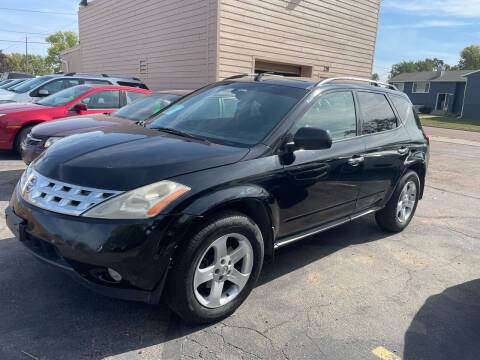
x,y
42,86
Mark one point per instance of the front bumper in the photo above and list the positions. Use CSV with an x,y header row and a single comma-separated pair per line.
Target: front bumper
x,y
84,248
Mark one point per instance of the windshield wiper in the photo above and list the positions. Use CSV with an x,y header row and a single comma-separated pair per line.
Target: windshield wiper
x,y
179,133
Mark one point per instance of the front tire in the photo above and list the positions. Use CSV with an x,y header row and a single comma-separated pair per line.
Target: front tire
x,y
217,269
399,211
20,138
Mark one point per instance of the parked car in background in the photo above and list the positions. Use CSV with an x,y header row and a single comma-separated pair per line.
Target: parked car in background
x,y
194,200
15,75
8,84
17,119
47,85
44,135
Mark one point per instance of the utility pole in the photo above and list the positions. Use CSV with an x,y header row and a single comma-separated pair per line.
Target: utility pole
x,y
26,54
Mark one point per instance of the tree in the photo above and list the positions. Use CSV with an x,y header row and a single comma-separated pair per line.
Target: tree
x,y
37,64
60,41
470,58
3,62
417,66
375,77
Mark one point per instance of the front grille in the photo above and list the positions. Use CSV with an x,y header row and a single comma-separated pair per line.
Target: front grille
x,y
32,141
61,197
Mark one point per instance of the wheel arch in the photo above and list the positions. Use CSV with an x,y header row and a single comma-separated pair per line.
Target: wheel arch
x,y
251,200
421,169
17,134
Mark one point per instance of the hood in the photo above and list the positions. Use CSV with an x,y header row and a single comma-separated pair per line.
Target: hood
x,y
17,107
6,95
78,124
127,157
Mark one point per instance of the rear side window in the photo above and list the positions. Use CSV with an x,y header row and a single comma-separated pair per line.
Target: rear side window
x,y
334,112
133,95
376,113
404,109
132,84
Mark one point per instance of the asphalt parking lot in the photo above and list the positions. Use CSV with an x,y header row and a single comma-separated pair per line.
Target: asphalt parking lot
x,y
354,292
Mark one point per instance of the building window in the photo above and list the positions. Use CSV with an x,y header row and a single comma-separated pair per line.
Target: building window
x,y
400,86
421,87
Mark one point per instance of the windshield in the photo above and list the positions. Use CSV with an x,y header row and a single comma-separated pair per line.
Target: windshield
x,y
240,114
5,82
31,84
12,84
65,96
145,108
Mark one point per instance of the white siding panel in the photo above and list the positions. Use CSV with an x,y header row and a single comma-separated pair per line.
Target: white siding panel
x,y
339,34
177,38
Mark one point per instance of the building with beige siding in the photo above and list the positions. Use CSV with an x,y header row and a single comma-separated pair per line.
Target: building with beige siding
x,y
173,44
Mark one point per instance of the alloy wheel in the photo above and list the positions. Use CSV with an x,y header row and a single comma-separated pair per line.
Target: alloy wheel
x,y
223,270
406,202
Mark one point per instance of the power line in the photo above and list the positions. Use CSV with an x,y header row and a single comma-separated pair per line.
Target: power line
x,y
18,41
37,11
23,32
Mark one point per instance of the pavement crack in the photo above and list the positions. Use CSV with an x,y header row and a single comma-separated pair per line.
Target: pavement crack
x,y
453,192
238,348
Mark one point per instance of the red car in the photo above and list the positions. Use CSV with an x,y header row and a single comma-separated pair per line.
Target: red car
x,y
17,119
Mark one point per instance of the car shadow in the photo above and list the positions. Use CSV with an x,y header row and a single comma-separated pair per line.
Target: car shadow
x,y
447,326
47,315
9,155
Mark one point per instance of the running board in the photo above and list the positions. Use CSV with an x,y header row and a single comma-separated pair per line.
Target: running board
x,y
293,238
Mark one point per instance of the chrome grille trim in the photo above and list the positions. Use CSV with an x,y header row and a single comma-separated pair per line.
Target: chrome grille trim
x,y
30,140
61,197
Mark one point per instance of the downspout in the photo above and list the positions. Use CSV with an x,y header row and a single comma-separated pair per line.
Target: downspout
x,y
464,95
66,64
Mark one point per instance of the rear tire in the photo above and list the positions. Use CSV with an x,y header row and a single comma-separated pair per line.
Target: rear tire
x,y
400,209
217,269
20,138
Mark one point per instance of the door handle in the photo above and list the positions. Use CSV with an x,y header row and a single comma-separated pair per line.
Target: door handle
x,y
403,150
356,160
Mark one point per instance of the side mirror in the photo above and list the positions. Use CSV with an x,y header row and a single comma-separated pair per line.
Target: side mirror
x,y
80,107
308,138
43,92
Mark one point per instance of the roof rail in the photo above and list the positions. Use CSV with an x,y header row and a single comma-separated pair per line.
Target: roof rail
x,y
371,82
257,76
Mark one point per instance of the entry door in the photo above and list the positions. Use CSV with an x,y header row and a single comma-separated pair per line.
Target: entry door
x,y
322,185
442,102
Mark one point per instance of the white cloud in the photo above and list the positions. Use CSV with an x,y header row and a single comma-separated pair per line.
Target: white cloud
x,y
456,8
430,24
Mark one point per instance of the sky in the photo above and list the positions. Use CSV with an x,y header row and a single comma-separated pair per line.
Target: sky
x,y
408,29
14,24
417,29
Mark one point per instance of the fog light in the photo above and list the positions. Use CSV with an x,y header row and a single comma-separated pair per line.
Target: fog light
x,y
114,275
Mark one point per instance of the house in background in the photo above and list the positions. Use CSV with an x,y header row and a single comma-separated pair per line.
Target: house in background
x,y
439,92
471,106
172,44
442,92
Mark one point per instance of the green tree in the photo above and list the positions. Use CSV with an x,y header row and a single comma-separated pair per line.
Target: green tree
x,y
3,62
375,77
37,64
60,41
470,58
417,66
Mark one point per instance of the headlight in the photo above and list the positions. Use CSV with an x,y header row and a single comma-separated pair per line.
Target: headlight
x,y
2,115
50,141
141,203
23,179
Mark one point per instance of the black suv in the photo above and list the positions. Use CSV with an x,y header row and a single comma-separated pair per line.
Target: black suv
x,y
193,200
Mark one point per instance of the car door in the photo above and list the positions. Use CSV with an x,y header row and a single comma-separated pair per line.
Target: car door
x,y
320,186
386,147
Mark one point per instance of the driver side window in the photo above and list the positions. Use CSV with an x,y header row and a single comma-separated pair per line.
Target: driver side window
x,y
334,112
